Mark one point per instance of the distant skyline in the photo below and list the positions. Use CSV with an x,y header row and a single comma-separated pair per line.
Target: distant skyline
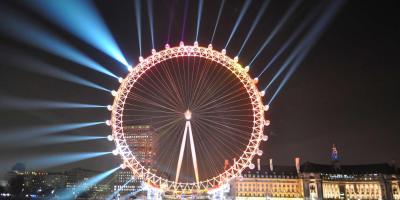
x,y
345,92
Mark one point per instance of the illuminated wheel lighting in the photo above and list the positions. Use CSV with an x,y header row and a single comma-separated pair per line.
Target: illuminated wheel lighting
x,y
109,107
249,84
252,166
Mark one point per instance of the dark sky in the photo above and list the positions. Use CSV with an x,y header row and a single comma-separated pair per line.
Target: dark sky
x,y
345,92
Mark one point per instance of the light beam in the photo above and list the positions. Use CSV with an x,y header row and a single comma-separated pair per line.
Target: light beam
x,y
48,161
185,16
277,28
238,20
292,37
114,194
151,20
8,102
199,13
308,42
20,134
60,139
86,185
221,7
138,24
26,30
254,24
82,19
36,66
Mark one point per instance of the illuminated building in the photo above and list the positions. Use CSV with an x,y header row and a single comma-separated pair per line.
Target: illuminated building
x,y
56,180
35,182
77,178
267,182
122,177
336,181
142,140
78,175
374,181
318,182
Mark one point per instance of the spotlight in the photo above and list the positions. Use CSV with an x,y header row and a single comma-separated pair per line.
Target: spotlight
x,y
120,80
236,59
123,166
223,51
115,152
266,107
110,138
255,80
210,46
259,152
262,93
181,44
109,107
108,122
247,68
267,122
265,137
114,93
252,166
141,59
153,51
166,46
196,44
129,68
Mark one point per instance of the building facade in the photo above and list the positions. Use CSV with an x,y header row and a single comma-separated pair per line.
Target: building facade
x,y
142,141
264,182
125,182
374,181
318,182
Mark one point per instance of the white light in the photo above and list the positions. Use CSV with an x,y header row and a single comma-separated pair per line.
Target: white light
x,y
210,46
153,51
115,152
120,80
108,122
247,68
110,138
196,44
265,137
123,166
130,68
267,122
266,107
141,59
236,59
252,166
259,152
114,93
181,44
167,46
255,80
223,51
109,107
188,115
262,93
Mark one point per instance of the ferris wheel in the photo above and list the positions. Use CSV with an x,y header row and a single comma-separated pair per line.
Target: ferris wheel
x,y
204,111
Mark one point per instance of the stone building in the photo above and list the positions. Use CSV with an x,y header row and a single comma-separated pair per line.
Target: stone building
x,y
373,181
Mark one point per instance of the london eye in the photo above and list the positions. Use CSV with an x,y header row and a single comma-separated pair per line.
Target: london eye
x,y
198,101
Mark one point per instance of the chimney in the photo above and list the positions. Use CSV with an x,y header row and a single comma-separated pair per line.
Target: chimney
x,y
297,163
258,164
271,166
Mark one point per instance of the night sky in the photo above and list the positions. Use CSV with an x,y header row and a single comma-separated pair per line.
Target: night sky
x,y
345,92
